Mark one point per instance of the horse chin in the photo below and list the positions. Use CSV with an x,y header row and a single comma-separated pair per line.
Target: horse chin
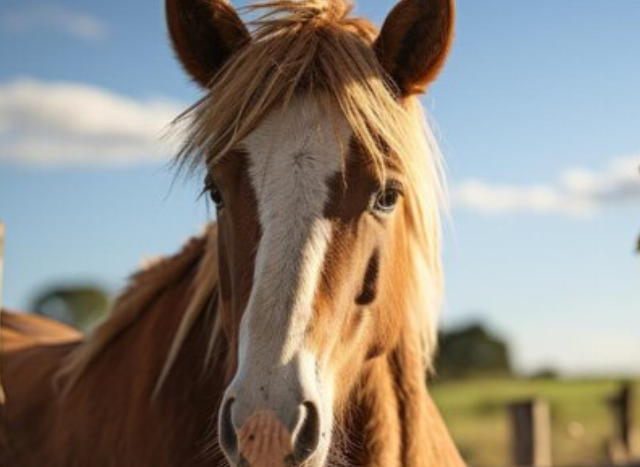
x,y
274,459
318,460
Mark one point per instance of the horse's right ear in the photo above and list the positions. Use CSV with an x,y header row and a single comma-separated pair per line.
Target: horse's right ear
x,y
204,33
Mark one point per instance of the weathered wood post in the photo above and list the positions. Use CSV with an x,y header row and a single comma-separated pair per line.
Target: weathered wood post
x,y
2,398
623,406
1,257
531,432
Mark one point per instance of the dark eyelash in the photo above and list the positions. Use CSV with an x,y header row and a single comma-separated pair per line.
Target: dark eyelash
x,y
396,185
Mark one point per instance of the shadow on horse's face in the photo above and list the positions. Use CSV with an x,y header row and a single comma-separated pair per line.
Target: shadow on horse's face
x,y
312,238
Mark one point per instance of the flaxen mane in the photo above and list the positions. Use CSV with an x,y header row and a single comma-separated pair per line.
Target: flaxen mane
x,y
306,47
199,254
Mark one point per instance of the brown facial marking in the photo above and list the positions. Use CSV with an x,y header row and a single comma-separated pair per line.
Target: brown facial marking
x,y
370,284
239,234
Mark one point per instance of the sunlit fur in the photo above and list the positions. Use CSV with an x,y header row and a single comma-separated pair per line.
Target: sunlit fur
x,y
53,344
319,49
319,52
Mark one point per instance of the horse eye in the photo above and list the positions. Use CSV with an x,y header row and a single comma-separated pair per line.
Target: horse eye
x,y
215,195
386,200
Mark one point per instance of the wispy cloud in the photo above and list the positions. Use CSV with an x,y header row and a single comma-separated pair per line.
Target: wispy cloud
x,y
576,192
51,17
72,124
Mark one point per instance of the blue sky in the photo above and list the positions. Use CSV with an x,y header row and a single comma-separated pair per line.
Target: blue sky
x,y
538,114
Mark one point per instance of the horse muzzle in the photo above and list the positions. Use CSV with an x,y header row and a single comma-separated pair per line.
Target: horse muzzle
x,y
275,417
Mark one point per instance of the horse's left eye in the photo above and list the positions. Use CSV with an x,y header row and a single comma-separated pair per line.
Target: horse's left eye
x,y
386,200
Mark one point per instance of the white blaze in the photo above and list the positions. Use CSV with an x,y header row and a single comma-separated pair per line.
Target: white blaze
x,y
293,156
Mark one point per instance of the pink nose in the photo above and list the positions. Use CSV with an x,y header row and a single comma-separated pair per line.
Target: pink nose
x,y
264,441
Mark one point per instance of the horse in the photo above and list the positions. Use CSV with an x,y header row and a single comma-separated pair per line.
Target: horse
x,y
299,328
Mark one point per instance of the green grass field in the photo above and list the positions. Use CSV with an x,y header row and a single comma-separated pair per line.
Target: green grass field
x,y
476,412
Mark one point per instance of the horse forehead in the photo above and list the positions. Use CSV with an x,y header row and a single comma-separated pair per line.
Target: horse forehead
x,y
298,149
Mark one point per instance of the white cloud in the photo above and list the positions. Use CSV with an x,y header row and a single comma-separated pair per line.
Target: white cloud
x,y
577,191
52,17
63,124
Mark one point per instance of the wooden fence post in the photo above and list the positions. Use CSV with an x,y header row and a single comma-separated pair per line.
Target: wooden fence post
x,y
531,431
1,257
623,405
2,398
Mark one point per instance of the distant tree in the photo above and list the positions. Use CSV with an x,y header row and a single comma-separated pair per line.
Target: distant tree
x,y
80,306
472,351
545,373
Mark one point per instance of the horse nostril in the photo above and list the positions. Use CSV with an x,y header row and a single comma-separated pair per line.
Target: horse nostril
x,y
308,437
228,437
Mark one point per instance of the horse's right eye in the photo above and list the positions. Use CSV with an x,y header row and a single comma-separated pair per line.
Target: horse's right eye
x,y
216,197
214,193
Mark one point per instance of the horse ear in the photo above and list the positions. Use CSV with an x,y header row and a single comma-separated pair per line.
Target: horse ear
x,y
204,33
415,41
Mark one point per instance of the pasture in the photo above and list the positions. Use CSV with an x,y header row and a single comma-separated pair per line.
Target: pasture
x,y
476,411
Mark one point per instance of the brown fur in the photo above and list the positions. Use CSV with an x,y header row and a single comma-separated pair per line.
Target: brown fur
x,y
108,419
145,388
415,41
313,47
20,331
204,50
235,235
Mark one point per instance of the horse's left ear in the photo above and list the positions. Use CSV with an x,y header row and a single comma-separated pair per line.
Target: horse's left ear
x,y
415,41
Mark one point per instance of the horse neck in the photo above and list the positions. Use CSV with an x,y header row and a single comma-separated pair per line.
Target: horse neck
x,y
125,376
397,422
